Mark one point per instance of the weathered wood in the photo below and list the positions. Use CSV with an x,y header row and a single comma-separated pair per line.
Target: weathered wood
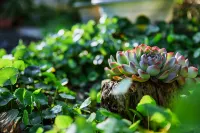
x,y
9,122
161,92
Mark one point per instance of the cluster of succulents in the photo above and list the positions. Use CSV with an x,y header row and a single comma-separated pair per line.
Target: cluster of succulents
x,y
144,63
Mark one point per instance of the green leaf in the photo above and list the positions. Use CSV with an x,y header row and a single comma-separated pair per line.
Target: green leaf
x,y
40,98
63,121
187,110
66,96
56,109
99,97
197,53
8,76
5,63
24,96
40,130
72,64
5,97
4,90
25,118
64,81
92,76
113,125
35,128
145,100
109,114
91,117
35,118
19,64
134,126
32,71
85,103
112,122
150,110
2,52
159,118
48,114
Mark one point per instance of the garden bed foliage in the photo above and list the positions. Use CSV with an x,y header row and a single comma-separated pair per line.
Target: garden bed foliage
x,y
45,83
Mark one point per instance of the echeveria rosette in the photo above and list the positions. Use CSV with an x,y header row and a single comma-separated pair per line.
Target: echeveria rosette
x,y
144,62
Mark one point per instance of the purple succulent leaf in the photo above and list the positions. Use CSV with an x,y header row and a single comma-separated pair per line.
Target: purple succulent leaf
x,y
126,69
176,68
121,57
143,65
135,61
133,67
171,77
187,62
192,72
143,74
184,71
177,55
162,50
150,61
163,75
132,57
169,64
159,64
144,58
153,70
157,59
163,58
181,60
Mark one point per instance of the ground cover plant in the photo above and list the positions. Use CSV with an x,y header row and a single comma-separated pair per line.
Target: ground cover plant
x,y
53,85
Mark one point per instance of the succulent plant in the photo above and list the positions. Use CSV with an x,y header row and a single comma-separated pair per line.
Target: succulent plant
x,y
144,62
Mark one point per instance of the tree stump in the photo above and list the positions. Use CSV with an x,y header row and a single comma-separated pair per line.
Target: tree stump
x,y
161,92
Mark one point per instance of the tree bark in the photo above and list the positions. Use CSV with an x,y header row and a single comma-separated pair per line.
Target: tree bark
x,y
161,92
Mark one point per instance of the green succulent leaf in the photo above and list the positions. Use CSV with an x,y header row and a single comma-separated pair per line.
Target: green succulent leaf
x,y
121,58
192,72
143,74
184,71
153,70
